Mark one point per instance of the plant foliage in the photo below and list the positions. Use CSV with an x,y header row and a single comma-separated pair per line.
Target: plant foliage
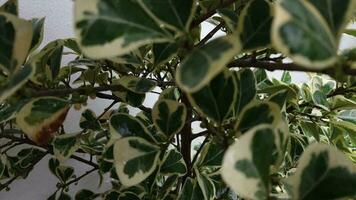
x,y
220,128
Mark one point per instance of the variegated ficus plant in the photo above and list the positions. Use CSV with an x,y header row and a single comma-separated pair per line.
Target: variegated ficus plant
x,y
220,128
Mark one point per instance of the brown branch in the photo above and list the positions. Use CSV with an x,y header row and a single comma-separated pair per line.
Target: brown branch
x,y
78,178
210,34
271,66
82,90
5,134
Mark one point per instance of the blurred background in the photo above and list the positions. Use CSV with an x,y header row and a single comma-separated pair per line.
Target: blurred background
x,y
58,25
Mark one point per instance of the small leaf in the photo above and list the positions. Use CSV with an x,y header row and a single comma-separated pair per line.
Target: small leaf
x,y
10,6
169,116
8,111
255,23
135,159
167,186
41,118
205,63
137,84
173,163
311,129
164,52
215,100
89,121
129,97
64,173
38,32
191,190
64,146
15,81
257,113
286,77
246,89
211,154
320,168
206,185
340,102
124,125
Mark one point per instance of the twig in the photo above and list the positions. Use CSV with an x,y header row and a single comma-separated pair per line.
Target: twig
x,y
271,66
78,178
210,34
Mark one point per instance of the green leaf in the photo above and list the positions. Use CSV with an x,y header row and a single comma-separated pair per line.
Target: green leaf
x,y
167,186
351,32
53,164
246,164
230,18
286,77
206,62
173,163
3,165
16,36
135,159
132,98
348,115
340,102
171,93
255,23
89,121
137,84
216,99
10,6
246,89
14,82
191,190
206,185
64,146
300,32
257,113
9,111
64,196
319,170
211,154
85,195
47,62
42,117
280,98
279,89
164,52
129,24
311,129
124,125
169,116
22,163
336,13
38,32
320,99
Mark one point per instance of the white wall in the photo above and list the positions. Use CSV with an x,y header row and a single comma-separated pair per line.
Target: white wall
x,y
59,24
